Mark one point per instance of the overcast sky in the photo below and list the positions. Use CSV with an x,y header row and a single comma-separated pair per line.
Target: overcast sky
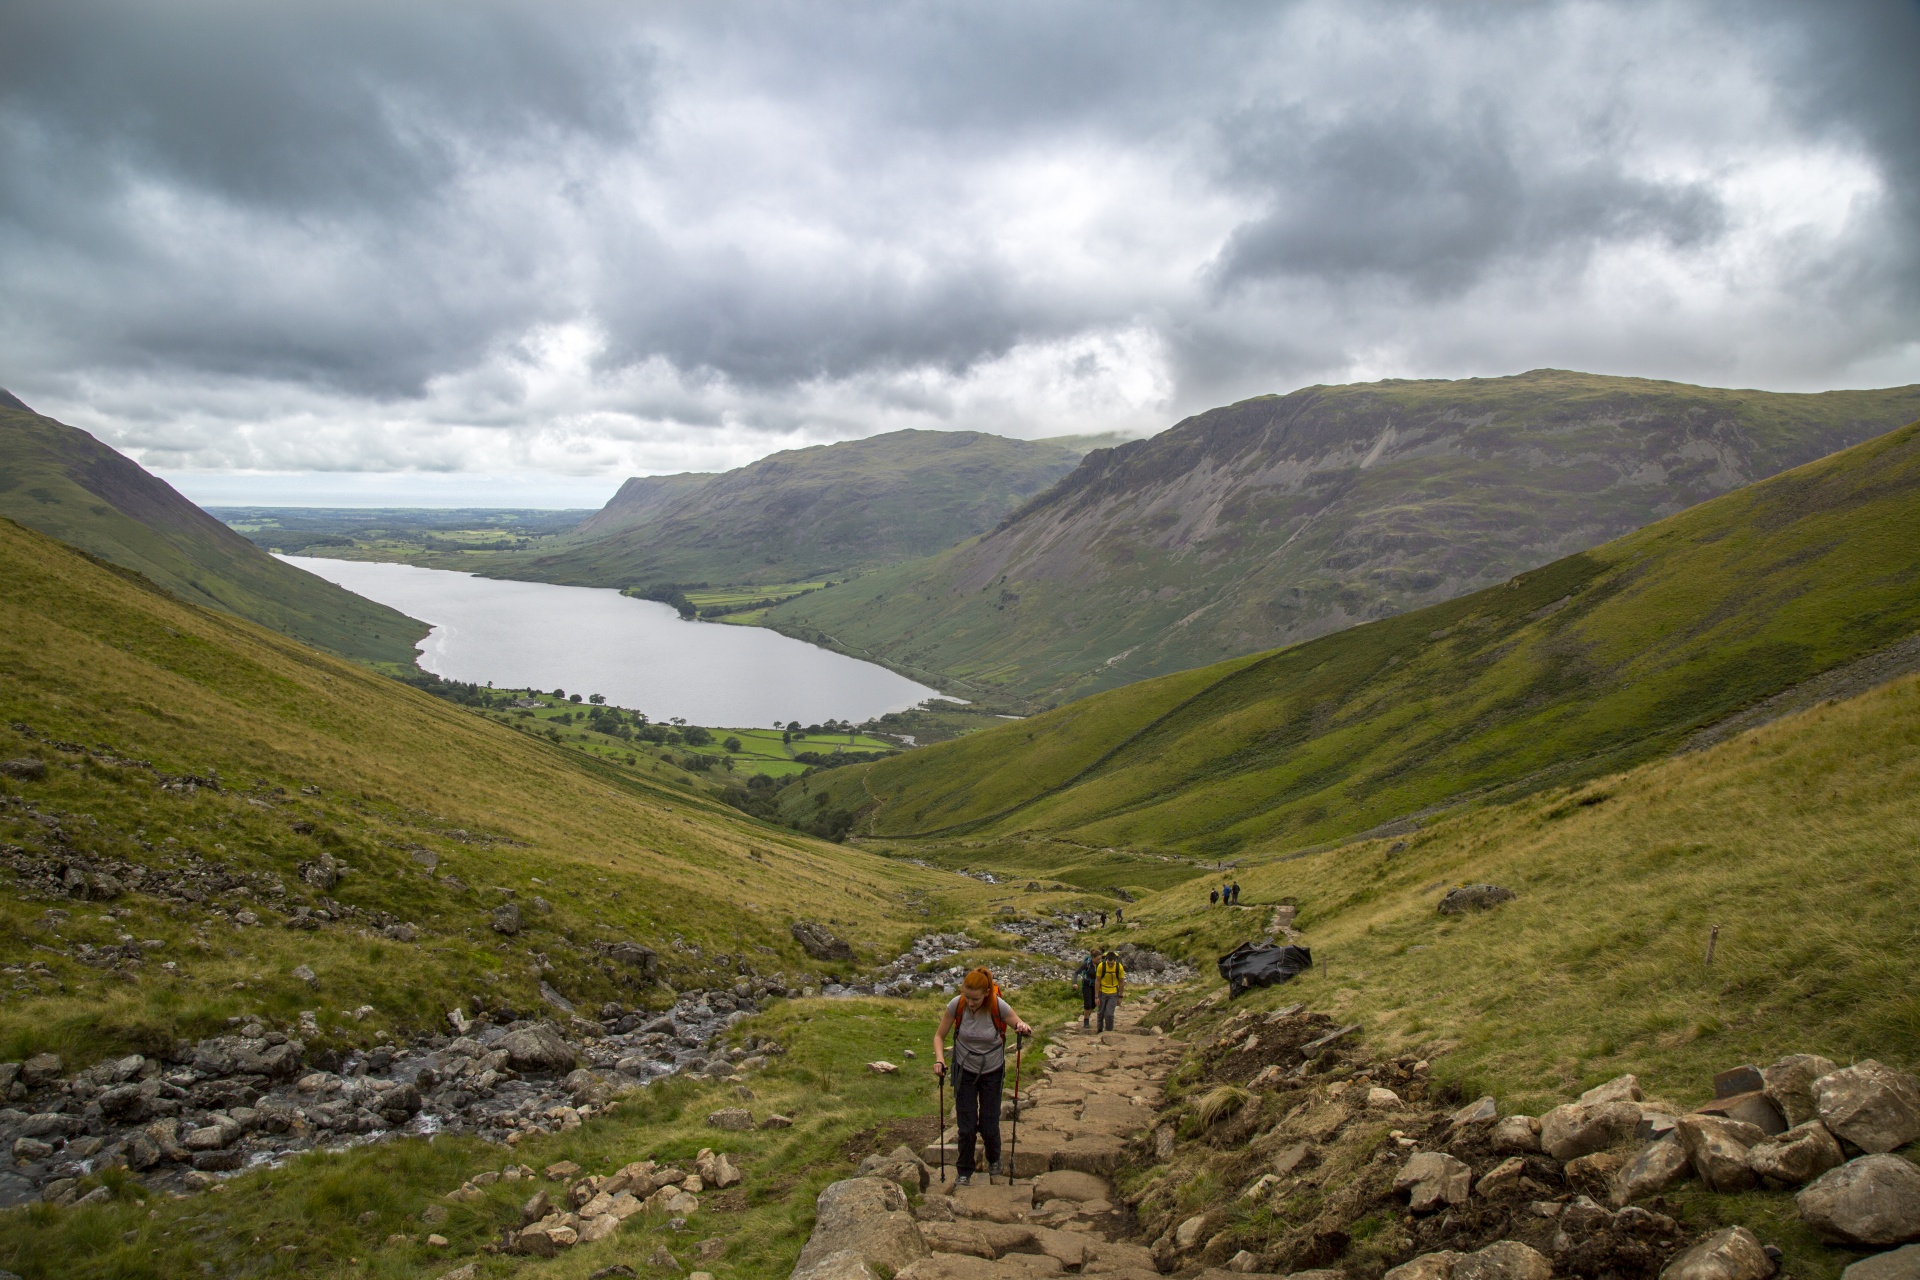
x,y
510,253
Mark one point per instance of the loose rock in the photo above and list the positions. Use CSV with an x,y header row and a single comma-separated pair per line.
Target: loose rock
x,y
1733,1254
1874,1200
1874,1107
1797,1156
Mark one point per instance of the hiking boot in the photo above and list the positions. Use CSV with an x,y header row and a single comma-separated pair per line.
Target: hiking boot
x,y
997,1170
962,1179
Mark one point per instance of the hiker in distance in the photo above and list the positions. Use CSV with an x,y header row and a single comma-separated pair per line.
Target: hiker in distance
x,y
1110,981
1084,976
979,1020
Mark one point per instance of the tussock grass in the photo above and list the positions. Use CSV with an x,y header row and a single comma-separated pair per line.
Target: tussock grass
x,y
1221,1103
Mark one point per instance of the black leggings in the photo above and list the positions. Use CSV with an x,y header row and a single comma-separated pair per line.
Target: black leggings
x,y
976,1100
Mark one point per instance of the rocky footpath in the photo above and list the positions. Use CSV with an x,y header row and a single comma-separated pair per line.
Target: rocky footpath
x,y
253,1097
1291,1152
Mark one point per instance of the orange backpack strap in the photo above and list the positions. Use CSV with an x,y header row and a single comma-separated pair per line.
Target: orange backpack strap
x,y
993,1009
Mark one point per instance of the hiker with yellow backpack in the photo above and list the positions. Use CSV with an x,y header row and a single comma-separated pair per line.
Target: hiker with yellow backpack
x,y
978,1018
1110,986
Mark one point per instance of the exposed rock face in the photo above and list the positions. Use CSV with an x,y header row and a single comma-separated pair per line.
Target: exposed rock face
x,y
540,1047
865,1217
1473,897
1874,1200
818,942
1733,1254
1797,1156
1579,1128
1874,1107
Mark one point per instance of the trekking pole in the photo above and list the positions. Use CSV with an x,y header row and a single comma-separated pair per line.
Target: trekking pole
x,y
1013,1156
940,1140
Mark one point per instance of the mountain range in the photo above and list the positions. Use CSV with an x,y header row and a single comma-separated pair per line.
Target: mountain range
x,y
1283,518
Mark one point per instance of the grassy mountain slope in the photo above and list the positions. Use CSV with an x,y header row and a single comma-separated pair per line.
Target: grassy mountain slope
x,y
640,500
1287,517
61,481
804,513
1593,663
1797,839
122,689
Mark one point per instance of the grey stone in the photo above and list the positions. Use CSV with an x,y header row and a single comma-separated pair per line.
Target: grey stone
x,y
506,918
1898,1264
1502,1178
1071,1184
1579,1128
1473,897
41,1068
1503,1260
539,1047
866,1217
1756,1109
1619,1089
1658,1166
1797,1156
1717,1149
1428,1266
731,1118
1874,1200
306,975
1481,1111
1733,1254
1433,1178
842,1264
1516,1135
29,1150
1789,1083
1874,1107
819,942
1747,1079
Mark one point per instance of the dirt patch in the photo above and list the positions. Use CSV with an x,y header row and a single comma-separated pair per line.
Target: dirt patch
x,y
915,1132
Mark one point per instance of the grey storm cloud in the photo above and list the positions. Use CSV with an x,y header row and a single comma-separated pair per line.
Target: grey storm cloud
x,y
591,237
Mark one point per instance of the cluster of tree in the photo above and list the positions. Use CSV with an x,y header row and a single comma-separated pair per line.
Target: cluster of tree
x,y
837,757
673,593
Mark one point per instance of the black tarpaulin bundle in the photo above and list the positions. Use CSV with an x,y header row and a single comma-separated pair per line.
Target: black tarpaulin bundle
x,y
1261,964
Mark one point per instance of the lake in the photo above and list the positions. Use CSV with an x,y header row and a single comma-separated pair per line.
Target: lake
x,y
639,653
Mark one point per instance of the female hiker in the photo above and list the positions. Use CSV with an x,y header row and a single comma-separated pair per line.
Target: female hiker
x,y
979,1020
1085,977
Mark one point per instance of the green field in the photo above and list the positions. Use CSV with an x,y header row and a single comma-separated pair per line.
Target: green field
x,y
1584,666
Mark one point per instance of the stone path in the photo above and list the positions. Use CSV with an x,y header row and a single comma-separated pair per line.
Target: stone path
x,y
1081,1103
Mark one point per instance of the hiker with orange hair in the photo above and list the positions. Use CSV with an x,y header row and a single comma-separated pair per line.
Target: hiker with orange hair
x,y
979,1019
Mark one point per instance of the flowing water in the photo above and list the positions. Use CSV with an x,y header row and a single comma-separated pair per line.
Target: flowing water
x,y
639,653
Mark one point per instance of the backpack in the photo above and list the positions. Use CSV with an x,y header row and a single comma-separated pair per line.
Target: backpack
x,y
1108,968
992,1007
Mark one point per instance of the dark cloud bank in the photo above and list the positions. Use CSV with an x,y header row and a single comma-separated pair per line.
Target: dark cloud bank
x,y
591,238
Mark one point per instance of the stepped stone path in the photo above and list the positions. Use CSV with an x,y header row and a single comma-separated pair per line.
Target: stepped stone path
x,y
1080,1107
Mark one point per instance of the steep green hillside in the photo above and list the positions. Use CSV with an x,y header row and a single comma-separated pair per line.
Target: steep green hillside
x,y
805,513
66,484
641,500
1593,663
1287,517
182,742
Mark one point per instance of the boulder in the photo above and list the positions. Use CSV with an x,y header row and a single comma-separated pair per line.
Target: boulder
x,y
866,1217
901,1166
1619,1089
1428,1266
1503,1260
1473,897
219,1132
819,942
506,918
41,1068
539,1047
1874,1200
731,1118
1594,1174
1797,1156
1754,1108
1579,1128
1733,1254
1515,1135
1658,1166
1433,1178
1788,1083
639,957
843,1264
1898,1264
1190,1232
1737,1080
1874,1107
1480,1111
1502,1178
1717,1149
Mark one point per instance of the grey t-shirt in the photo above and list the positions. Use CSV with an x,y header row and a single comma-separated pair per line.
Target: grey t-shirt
x,y
977,1046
